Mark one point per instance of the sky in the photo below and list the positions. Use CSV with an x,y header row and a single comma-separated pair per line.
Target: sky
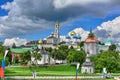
x,y
35,19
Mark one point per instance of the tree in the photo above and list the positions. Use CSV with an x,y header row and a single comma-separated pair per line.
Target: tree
x,y
36,56
76,56
9,56
14,45
112,47
60,53
81,44
107,59
2,50
16,60
25,57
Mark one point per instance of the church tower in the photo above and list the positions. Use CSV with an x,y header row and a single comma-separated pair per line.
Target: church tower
x,y
91,44
56,33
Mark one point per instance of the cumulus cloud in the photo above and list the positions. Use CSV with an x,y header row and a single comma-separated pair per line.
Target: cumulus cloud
x,y
26,16
17,41
109,27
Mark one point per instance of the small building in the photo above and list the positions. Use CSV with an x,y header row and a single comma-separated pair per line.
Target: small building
x,y
87,66
18,51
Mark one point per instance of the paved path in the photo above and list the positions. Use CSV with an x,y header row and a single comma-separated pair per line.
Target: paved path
x,y
51,77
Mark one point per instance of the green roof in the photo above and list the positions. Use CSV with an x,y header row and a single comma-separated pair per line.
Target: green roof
x,y
20,50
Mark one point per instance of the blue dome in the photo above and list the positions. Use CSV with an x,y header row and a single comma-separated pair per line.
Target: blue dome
x,y
68,37
77,37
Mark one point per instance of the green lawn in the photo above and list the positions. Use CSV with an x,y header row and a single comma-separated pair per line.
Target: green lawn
x,y
42,70
45,71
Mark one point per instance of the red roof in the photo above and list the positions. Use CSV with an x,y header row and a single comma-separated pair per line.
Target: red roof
x,y
91,39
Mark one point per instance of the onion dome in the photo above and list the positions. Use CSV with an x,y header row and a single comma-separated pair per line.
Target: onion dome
x,y
40,42
109,40
78,37
75,36
72,33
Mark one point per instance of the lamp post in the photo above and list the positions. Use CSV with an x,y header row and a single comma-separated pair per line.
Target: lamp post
x,y
3,64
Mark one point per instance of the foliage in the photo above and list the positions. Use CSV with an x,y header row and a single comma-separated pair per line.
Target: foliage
x,y
107,59
60,53
112,47
63,42
15,60
81,44
25,57
14,45
36,56
9,56
76,56
2,50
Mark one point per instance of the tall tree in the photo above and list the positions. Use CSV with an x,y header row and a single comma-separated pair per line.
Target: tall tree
x,y
37,56
25,57
76,56
107,59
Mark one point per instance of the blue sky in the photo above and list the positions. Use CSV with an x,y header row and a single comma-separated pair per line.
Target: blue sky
x,y
35,19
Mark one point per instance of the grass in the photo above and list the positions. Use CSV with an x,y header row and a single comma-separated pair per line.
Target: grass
x,y
42,70
55,70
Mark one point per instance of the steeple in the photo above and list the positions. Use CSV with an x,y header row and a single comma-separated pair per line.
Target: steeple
x,y
56,33
90,31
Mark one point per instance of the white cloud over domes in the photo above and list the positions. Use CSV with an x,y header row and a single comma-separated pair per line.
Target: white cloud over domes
x,y
102,31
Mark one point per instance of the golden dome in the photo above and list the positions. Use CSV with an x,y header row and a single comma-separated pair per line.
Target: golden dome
x,y
40,42
72,33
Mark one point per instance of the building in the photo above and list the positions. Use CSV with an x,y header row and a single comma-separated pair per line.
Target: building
x,y
46,59
87,66
91,44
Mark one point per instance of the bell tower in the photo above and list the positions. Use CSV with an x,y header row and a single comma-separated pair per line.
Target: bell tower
x,y
56,34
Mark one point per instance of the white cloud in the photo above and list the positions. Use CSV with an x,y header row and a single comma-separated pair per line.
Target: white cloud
x,y
83,33
109,27
17,41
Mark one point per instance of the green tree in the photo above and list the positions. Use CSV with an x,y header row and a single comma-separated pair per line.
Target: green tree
x,y
112,47
107,59
81,44
9,56
15,60
76,56
25,57
2,50
36,56
60,53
